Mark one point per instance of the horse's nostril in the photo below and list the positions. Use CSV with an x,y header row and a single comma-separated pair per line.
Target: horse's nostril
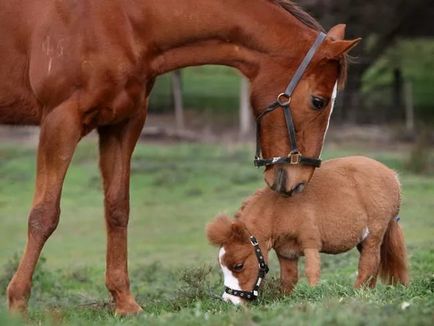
x,y
298,188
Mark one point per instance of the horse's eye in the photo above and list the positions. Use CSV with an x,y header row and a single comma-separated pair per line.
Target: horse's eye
x,y
318,103
238,267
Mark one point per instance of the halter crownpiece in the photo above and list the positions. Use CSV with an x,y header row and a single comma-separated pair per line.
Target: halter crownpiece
x,y
263,270
284,101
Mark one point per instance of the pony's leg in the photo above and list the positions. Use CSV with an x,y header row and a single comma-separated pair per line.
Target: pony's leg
x,y
60,133
288,273
369,262
116,147
312,266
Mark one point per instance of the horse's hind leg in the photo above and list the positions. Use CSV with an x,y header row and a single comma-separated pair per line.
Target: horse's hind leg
x,y
369,262
116,147
60,133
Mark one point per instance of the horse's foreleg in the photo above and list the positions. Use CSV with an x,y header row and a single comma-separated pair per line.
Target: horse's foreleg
x,y
60,133
312,267
116,147
288,273
369,262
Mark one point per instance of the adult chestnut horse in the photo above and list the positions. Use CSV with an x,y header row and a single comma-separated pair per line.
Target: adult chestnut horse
x,y
74,66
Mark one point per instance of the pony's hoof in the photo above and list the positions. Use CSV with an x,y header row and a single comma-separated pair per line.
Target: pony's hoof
x,y
128,310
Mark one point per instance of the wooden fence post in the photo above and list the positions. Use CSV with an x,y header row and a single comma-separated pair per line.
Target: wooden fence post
x,y
177,99
409,107
245,112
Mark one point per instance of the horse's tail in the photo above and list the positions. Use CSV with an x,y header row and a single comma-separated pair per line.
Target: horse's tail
x,y
393,264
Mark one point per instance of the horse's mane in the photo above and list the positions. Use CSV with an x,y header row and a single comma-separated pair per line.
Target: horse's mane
x,y
312,23
300,14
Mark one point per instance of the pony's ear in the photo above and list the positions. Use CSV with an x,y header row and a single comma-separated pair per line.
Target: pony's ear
x,y
239,231
219,230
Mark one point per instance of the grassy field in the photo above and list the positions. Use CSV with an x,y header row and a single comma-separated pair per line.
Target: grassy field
x,y
176,190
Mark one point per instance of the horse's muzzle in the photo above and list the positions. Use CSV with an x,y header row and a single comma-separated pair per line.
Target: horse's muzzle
x,y
286,182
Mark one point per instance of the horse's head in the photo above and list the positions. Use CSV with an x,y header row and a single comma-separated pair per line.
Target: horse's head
x,y
237,258
311,105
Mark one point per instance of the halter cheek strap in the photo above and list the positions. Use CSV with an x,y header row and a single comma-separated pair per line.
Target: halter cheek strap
x,y
283,101
263,270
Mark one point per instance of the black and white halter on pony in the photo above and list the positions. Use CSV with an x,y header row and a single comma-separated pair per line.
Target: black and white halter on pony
x,y
284,101
263,270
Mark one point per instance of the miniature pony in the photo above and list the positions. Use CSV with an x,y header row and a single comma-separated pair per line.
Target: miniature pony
x,y
350,202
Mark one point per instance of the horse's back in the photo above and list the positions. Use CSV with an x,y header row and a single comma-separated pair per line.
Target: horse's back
x,y
53,50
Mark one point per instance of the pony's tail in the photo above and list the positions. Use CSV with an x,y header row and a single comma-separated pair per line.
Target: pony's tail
x,y
393,263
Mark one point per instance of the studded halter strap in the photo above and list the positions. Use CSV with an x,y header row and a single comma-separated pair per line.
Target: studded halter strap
x,y
283,101
263,270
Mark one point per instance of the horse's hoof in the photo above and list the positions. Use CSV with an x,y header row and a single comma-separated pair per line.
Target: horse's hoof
x,y
128,310
18,307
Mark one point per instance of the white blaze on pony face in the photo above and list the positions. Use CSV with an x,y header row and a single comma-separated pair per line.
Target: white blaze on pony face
x,y
333,100
229,280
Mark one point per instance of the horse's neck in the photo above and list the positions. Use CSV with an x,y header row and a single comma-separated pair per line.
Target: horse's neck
x,y
188,33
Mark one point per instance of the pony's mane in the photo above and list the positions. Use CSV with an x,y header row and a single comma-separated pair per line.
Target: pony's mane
x,y
247,201
312,23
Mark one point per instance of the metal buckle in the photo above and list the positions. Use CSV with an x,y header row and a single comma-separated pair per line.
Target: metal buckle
x,y
253,241
294,158
283,99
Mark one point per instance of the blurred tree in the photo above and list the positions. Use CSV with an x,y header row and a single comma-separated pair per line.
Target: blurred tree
x,y
380,23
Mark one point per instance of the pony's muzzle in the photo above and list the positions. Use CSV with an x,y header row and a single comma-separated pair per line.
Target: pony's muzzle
x,y
232,299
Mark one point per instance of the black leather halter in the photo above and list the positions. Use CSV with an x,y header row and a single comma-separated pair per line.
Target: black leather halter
x,y
263,270
283,101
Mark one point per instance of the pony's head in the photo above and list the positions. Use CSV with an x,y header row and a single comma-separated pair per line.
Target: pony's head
x,y
237,257
311,105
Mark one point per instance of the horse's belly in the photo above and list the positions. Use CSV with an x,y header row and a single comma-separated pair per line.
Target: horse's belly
x,y
19,111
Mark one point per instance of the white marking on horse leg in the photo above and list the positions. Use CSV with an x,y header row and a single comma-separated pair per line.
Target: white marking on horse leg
x,y
333,99
229,280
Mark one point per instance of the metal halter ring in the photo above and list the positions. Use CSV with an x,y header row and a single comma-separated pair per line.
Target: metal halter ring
x,y
283,99
295,158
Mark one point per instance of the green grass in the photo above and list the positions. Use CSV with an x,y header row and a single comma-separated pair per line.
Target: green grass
x,y
176,190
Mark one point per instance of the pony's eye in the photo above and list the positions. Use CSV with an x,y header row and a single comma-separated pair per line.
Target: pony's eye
x,y
238,267
318,103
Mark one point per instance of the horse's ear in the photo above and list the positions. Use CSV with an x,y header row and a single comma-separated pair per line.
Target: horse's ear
x,y
337,32
239,231
219,230
338,46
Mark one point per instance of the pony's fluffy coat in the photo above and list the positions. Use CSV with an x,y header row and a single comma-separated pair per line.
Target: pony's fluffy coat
x,y
350,202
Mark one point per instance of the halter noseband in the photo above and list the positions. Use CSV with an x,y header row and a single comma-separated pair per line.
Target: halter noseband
x,y
283,101
263,270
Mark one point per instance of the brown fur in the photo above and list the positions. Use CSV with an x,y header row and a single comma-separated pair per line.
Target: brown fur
x,y
75,66
344,197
